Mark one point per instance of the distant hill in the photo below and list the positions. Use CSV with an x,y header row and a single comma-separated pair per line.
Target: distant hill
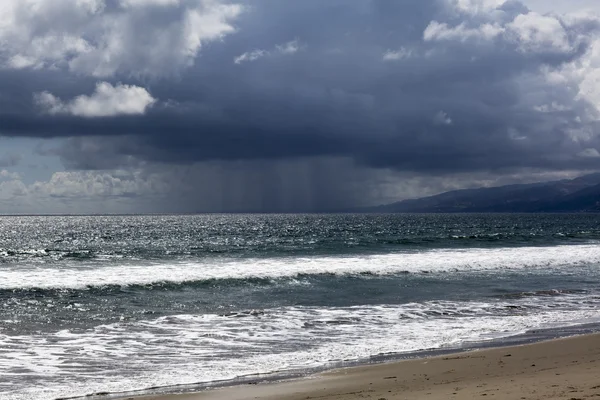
x,y
570,195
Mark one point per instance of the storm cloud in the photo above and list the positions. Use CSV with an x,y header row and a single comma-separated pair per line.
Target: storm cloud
x,y
343,93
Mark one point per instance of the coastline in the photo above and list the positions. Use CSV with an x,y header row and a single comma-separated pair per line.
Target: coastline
x,y
578,340
556,368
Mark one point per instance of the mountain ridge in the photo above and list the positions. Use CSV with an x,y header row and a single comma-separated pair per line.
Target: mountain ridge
x,y
581,194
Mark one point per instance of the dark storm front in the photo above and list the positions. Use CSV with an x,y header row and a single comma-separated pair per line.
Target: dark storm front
x,y
113,304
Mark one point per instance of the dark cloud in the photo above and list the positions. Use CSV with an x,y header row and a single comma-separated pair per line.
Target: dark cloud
x,y
364,82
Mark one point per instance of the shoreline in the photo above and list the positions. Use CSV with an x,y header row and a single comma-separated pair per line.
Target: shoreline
x,y
555,368
175,392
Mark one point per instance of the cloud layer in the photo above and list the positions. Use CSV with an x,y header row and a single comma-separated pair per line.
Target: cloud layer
x,y
104,38
393,88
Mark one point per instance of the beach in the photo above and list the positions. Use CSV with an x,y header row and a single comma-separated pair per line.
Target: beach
x,y
567,368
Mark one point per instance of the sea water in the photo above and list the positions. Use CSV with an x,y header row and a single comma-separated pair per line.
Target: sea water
x,y
96,304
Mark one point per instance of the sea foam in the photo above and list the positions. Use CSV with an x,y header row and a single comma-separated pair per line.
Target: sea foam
x,y
81,275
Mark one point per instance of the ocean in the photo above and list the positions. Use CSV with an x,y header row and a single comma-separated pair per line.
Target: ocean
x,y
136,304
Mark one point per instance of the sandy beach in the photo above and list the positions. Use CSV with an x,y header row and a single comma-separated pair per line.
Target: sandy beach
x,y
566,368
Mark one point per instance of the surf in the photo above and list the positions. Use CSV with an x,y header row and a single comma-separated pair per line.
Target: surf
x,y
81,276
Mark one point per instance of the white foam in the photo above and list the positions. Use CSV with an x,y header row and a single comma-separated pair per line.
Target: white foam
x,y
83,275
186,349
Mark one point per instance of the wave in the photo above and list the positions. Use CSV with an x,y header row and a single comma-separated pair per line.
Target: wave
x,y
541,293
106,248
556,258
187,349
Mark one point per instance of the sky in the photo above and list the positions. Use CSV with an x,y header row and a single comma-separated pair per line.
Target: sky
x,y
149,106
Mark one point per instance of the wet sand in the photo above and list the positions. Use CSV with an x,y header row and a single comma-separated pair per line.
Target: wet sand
x,y
566,368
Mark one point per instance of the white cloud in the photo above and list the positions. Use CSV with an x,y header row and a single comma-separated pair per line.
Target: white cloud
x,y
589,153
92,38
4,174
144,3
535,32
18,62
250,56
514,134
288,48
530,32
442,31
85,192
552,107
567,88
107,100
13,190
90,184
580,76
395,55
477,6
545,6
